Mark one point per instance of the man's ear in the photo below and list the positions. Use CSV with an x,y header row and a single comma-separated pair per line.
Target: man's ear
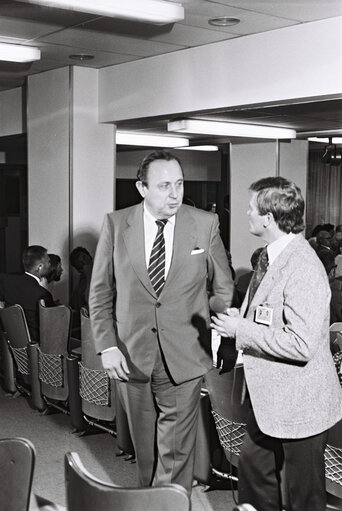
x,y
268,219
141,188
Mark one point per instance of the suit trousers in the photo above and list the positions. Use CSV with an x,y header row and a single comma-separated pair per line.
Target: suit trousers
x,y
162,418
264,460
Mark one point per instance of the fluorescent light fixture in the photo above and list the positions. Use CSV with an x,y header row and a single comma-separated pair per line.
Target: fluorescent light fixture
x,y
154,11
334,140
18,53
231,129
125,138
200,148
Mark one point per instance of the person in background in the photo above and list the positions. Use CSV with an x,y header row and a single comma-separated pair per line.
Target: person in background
x,y
54,274
81,260
149,312
25,289
282,329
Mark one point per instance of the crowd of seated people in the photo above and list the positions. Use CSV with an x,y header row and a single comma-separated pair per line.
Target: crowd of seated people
x,y
41,271
327,241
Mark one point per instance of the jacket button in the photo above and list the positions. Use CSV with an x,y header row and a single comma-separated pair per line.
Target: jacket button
x,y
158,304
154,330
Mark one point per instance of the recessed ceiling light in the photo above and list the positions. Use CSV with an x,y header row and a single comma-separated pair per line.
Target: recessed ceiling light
x,y
223,21
81,56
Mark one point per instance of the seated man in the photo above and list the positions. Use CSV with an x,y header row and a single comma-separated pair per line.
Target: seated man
x,y
25,289
54,274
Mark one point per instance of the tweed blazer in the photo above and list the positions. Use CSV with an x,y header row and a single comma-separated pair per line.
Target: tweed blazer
x,y
125,310
288,365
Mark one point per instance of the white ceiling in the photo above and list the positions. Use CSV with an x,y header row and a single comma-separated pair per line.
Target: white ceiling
x,y
60,33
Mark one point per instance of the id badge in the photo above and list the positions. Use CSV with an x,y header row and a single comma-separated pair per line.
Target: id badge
x,y
264,315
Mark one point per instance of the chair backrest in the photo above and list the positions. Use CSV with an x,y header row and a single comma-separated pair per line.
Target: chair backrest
x,y
14,324
86,492
55,328
97,391
17,459
333,461
225,392
336,337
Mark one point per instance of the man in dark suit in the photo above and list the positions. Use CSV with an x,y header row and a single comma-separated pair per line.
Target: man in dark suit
x,y
283,330
150,316
25,289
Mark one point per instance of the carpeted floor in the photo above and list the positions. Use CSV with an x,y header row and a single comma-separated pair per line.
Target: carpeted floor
x,y
52,436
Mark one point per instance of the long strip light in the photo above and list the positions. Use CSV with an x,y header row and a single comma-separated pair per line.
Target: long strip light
x,y
125,138
334,140
208,148
154,11
18,53
231,129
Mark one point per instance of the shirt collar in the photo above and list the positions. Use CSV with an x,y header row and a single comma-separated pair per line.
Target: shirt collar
x,y
34,276
276,247
151,219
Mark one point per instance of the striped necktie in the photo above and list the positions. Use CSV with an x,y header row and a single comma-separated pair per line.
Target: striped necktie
x,y
156,267
260,270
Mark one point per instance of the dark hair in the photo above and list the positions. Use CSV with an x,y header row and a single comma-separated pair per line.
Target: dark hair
x,y
74,255
146,162
52,274
32,256
283,199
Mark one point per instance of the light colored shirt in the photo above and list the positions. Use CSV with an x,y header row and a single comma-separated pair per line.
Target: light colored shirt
x,y
150,231
276,247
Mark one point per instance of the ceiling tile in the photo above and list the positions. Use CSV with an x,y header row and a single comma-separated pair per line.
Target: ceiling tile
x,y
23,29
90,39
300,10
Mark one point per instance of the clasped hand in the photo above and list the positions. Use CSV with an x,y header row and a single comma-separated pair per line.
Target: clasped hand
x,y
226,324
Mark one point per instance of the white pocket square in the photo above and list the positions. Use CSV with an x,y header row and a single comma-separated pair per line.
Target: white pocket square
x,y
196,251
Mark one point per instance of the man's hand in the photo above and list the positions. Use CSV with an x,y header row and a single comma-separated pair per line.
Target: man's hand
x,y
115,365
226,324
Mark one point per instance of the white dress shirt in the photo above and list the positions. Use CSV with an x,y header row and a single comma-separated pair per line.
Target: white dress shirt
x,y
150,231
276,247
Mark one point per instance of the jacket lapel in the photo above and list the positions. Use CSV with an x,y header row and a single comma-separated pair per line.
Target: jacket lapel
x,y
134,240
184,241
272,275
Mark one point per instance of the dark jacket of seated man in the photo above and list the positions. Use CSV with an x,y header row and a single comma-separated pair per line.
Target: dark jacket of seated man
x,y
25,290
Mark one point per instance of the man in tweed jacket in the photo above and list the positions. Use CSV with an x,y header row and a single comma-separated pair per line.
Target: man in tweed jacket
x,y
283,332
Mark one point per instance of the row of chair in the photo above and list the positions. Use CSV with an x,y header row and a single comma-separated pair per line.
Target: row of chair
x,y
83,491
73,380
56,373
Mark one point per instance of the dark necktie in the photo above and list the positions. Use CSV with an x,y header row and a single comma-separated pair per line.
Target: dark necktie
x,y
156,267
259,272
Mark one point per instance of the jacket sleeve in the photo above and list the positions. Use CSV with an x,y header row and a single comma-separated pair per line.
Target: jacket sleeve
x,y
102,290
219,273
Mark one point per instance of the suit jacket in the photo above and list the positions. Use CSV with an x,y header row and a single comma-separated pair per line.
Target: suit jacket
x,y
26,291
125,310
288,365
